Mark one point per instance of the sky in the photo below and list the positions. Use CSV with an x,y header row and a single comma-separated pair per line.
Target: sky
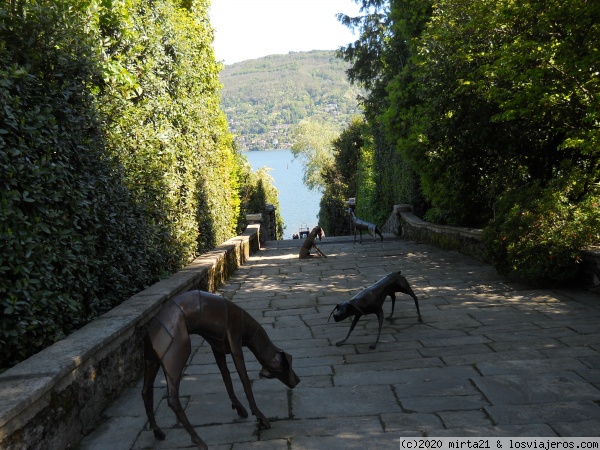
x,y
250,29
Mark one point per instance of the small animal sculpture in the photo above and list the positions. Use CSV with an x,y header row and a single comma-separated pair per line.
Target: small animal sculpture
x,y
309,244
370,301
362,225
226,327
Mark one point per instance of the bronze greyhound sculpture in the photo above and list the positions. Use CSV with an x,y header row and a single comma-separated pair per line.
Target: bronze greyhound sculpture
x,y
309,244
226,327
370,301
362,225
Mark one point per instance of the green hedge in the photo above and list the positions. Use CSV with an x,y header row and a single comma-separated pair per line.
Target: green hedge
x,y
116,165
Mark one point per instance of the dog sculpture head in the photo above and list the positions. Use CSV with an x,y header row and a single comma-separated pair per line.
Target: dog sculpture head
x,y
343,310
318,231
280,367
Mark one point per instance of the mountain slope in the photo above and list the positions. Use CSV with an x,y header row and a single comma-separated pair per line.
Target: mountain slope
x,y
264,97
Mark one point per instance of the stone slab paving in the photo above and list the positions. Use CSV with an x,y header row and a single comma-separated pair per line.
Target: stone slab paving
x,y
491,358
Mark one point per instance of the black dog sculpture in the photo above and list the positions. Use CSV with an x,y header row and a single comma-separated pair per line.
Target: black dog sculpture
x,y
363,225
226,327
309,244
370,301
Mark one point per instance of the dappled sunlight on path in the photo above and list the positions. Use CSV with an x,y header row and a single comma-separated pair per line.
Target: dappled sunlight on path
x,y
491,358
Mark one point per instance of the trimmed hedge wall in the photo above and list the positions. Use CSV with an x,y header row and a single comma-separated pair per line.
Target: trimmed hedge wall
x,y
116,164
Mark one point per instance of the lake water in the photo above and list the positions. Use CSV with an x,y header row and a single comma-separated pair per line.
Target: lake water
x,y
298,206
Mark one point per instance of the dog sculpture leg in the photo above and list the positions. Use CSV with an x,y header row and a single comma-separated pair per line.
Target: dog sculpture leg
x,y
152,365
380,319
235,403
371,231
176,351
408,290
238,359
359,234
417,305
393,297
323,255
354,321
173,364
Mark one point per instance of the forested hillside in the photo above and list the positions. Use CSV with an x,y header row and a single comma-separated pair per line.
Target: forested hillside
x,y
264,97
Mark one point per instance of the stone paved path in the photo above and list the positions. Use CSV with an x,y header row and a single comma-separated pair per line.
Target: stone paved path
x,y
491,358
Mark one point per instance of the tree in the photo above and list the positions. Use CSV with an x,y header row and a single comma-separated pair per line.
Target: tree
x,y
487,99
498,101
380,56
313,145
340,179
257,191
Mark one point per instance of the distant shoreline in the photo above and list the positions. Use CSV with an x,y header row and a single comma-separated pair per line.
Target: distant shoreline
x,y
247,150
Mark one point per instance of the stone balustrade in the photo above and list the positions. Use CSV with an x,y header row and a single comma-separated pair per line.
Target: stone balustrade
x,y
469,241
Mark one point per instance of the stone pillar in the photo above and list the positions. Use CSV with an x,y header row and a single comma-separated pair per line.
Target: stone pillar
x,y
256,218
399,229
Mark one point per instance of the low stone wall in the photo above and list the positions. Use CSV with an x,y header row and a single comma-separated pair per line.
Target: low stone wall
x,y
468,241
404,223
53,399
589,274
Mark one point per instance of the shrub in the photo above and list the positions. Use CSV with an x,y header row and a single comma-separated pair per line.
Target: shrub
x,y
257,190
540,232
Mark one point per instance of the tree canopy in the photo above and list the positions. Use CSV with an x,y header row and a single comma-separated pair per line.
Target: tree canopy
x,y
470,104
313,145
